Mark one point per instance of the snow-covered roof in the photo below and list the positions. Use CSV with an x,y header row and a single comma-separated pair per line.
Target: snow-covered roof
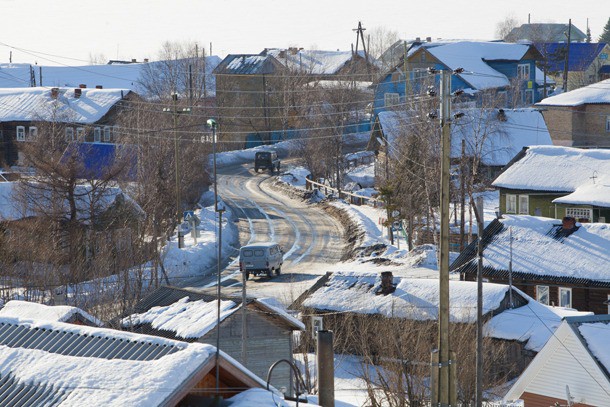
x,y
561,169
495,141
596,93
413,298
597,336
32,310
472,57
314,62
535,252
97,366
112,76
37,104
187,319
15,205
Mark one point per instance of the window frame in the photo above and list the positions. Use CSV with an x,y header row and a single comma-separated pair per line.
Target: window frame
x,y
69,134
527,206
80,134
97,134
512,208
20,133
32,132
608,124
573,212
521,74
541,292
107,133
391,99
560,297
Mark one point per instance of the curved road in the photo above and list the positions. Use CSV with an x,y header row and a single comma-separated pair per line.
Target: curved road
x,y
310,237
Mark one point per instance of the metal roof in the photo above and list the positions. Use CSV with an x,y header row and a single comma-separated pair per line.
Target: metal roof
x,y
81,345
248,64
582,55
15,393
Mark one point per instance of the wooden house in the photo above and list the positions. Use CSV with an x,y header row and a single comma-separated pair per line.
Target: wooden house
x,y
545,32
561,263
572,368
493,74
579,118
54,363
555,182
71,114
190,315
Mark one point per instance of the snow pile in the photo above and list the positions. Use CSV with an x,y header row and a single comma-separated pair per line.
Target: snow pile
x,y
296,177
32,310
415,299
363,175
187,319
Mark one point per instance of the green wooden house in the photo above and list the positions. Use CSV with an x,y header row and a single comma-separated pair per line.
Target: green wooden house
x,y
555,182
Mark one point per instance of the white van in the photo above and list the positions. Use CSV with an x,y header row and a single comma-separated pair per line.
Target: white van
x,y
261,258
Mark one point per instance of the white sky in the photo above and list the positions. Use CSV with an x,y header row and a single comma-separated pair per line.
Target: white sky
x,y
126,29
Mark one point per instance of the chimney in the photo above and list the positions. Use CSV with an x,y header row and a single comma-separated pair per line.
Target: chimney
x,y
77,93
133,60
99,87
428,39
418,39
387,283
54,93
145,60
568,223
82,86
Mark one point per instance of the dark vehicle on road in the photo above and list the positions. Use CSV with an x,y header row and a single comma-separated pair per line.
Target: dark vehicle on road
x,y
266,160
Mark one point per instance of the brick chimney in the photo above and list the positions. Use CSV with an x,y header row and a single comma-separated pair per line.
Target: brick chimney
x,y
428,39
82,86
54,93
77,93
387,283
568,223
99,87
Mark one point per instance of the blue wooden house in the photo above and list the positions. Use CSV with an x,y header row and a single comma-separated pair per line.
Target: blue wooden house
x,y
500,71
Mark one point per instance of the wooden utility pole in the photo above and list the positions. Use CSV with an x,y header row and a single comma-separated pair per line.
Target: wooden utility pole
x,y
443,367
566,65
360,36
462,195
478,210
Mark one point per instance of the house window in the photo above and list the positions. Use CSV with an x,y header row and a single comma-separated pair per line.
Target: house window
x,y
542,294
608,302
608,124
580,214
107,131
80,134
565,297
20,133
69,134
511,203
524,204
523,72
391,99
528,97
97,135
32,132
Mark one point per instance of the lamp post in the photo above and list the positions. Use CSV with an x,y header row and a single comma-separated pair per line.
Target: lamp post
x,y
213,125
175,112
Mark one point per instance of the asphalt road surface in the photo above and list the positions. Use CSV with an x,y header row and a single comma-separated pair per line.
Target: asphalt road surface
x,y
311,238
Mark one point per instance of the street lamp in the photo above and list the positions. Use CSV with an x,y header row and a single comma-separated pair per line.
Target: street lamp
x,y
213,125
175,112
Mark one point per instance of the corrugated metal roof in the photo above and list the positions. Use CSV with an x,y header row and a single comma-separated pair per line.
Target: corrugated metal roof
x,y
16,393
81,345
582,55
244,64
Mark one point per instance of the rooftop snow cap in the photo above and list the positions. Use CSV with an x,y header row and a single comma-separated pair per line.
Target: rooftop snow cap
x,y
387,283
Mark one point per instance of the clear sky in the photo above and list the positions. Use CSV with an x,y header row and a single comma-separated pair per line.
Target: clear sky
x,y
126,29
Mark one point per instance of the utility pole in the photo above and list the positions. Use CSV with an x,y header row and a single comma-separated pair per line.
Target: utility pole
x,y
478,210
566,65
175,112
443,364
360,36
462,195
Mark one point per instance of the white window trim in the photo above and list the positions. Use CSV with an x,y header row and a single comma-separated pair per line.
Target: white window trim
x,y
527,207
607,124
391,99
520,68
107,131
512,197
97,135
608,302
69,134
32,132
20,135
565,289
80,134
579,213
539,292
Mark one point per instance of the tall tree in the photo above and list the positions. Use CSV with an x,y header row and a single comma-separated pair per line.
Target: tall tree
x,y
605,37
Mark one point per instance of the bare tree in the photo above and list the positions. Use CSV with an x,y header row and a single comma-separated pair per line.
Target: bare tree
x,y
504,28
